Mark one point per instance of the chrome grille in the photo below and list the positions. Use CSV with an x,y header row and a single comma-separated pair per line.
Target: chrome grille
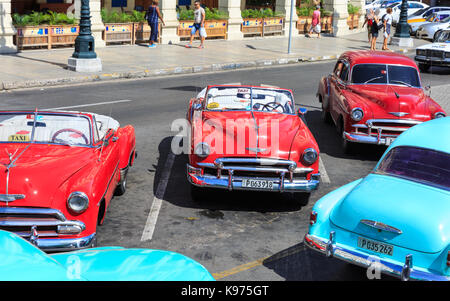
x,y
435,53
48,222
385,127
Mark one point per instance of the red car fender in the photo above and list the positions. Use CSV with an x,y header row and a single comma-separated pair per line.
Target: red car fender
x,y
304,139
127,145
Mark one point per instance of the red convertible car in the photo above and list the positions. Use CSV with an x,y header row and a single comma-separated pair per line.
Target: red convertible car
x,y
59,172
250,138
374,96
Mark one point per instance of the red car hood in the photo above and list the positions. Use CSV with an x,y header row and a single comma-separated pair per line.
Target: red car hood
x,y
271,133
39,171
387,99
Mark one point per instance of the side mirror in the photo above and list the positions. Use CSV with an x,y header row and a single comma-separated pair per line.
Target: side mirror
x,y
302,111
109,134
196,106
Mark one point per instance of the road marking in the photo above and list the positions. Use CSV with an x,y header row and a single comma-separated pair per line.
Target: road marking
x,y
259,262
91,104
150,224
323,172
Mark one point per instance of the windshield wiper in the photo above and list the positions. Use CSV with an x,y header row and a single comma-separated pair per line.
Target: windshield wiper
x,y
372,79
400,82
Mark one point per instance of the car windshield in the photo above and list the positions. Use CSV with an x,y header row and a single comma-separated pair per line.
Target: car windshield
x,y
446,20
384,74
444,37
426,166
419,12
393,5
249,98
44,128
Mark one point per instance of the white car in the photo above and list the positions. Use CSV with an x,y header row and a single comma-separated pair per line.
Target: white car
x,y
435,54
413,7
379,3
432,18
430,30
423,14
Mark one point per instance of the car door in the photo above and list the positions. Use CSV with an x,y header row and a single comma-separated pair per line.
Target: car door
x,y
338,82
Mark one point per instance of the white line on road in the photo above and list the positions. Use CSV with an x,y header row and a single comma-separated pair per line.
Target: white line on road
x,y
150,225
92,104
323,172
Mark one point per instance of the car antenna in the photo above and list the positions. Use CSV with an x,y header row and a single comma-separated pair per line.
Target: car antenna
x,y
103,140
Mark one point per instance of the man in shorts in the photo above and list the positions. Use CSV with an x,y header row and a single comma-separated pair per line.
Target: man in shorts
x,y
199,25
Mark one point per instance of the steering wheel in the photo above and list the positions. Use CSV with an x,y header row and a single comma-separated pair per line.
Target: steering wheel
x,y
273,107
86,140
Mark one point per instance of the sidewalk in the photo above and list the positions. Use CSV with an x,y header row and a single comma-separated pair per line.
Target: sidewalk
x,y
38,68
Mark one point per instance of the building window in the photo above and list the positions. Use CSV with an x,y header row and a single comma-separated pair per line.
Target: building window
x,y
119,3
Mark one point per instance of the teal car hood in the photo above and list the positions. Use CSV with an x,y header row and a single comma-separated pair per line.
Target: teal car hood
x,y
419,211
116,263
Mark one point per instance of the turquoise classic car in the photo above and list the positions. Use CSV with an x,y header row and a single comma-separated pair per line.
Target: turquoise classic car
x,y
23,261
396,219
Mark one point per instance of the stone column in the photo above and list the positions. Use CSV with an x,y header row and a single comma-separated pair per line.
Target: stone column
x,y
97,26
7,29
169,33
233,8
284,7
340,14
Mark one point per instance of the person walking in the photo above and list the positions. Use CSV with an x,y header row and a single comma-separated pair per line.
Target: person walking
x,y
199,25
368,20
374,31
315,24
152,16
387,22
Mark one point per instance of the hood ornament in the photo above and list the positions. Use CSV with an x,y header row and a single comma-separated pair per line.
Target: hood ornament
x,y
399,114
256,149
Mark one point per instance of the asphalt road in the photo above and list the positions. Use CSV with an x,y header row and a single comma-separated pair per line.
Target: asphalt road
x,y
235,235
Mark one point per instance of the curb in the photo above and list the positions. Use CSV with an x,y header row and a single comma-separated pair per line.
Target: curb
x,y
13,85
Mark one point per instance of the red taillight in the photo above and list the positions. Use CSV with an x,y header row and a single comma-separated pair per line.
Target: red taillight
x,y
313,218
448,259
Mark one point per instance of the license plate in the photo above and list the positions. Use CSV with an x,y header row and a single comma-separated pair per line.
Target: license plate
x,y
389,140
375,246
257,184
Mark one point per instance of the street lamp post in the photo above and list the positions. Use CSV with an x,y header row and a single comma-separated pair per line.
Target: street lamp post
x,y
402,36
84,58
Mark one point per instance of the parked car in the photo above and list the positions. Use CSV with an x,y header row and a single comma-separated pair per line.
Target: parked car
x,y
422,16
373,96
396,218
430,30
23,261
413,6
379,3
260,141
60,171
437,54
434,18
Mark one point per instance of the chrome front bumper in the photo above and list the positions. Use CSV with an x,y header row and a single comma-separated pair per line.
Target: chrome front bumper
x,y
43,226
284,182
376,133
404,271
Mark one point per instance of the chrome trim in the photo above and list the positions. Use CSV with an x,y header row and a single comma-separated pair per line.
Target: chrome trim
x,y
364,260
70,244
7,198
399,114
39,211
380,226
407,267
80,194
356,109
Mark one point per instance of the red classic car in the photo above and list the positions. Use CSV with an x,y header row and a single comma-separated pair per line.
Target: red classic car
x,y
251,138
374,96
59,172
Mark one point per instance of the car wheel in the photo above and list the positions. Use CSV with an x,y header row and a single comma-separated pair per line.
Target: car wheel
x,y
347,146
424,67
122,185
325,115
436,35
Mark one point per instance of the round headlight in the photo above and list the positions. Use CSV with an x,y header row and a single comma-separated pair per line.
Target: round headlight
x,y
357,114
309,156
78,202
439,115
202,149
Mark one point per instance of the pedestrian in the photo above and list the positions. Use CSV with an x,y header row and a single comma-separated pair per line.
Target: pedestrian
x,y
152,16
368,20
315,24
387,21
374,31
199,25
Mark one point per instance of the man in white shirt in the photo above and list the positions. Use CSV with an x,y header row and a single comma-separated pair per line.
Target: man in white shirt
x,y
199,24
